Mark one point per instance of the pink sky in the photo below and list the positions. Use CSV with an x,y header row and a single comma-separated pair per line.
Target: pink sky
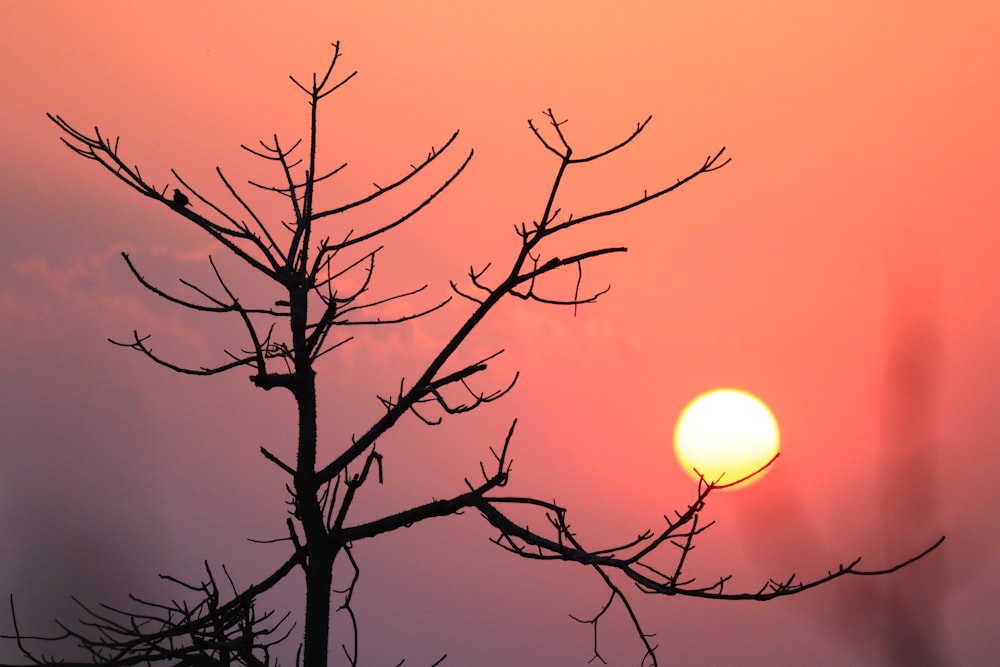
x,y
843,268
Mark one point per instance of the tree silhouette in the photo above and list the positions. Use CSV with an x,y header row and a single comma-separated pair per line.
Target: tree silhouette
x,y
324,274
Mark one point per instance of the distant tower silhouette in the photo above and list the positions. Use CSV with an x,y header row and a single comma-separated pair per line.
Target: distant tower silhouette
x,y
180,199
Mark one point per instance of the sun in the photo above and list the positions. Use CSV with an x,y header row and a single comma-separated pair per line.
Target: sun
x,y
725,433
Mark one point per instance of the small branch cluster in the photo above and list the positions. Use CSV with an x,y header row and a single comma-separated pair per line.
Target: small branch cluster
x,y
205,633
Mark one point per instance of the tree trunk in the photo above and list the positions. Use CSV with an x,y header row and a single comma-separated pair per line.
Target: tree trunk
x,y
319,579
319,551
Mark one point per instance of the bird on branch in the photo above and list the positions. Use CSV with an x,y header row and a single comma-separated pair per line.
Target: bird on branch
x,y
180,199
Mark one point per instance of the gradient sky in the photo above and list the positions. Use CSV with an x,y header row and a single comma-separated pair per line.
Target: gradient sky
x,y
843,268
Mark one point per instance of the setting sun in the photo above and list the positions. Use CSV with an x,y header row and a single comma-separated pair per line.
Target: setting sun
x,y
725,433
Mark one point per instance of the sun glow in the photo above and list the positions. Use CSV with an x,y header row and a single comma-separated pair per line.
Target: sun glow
x,y
727,434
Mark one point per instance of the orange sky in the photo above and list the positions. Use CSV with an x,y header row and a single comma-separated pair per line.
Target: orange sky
x,y
843,268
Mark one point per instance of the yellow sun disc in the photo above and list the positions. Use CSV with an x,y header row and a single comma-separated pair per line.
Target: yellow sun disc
x,y
725,433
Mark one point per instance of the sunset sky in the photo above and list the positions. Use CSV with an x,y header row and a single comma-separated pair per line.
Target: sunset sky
x,y
845,268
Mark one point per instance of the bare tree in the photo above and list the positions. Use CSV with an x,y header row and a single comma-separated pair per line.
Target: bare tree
x,y
312,263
